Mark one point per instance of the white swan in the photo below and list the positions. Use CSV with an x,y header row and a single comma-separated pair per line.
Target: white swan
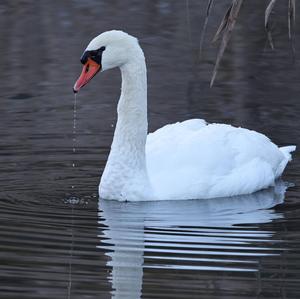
x,y
186,160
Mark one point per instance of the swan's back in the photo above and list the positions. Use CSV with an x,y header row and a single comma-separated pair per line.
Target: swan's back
x,y
194,160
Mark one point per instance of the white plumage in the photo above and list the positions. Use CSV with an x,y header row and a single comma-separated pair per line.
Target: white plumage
x,y
187,160
195,160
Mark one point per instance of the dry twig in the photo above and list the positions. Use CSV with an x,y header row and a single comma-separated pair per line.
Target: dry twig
x,y
229,20
268,11
225,29
291,16
208,9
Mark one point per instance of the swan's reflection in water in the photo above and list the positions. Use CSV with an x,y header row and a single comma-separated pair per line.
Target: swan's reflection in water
x,y
186,235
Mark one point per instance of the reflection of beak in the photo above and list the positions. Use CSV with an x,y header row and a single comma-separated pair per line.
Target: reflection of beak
x,y
90,69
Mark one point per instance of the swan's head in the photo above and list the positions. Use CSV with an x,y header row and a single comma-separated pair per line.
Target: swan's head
x,y
108,50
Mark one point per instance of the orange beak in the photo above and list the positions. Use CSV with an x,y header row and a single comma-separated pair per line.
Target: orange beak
x,y
90,69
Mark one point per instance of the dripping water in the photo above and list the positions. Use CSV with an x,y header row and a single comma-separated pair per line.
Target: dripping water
x,y
74,131
71,252
73,199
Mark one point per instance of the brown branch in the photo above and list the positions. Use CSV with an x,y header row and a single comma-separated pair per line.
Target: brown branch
x,y
291,16
208,9
268,12
225,29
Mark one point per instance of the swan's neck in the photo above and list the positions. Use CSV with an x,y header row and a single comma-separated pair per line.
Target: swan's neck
x,y
132,124
125,170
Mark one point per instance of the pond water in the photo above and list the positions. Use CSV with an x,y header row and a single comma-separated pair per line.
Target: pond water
x,y
57,239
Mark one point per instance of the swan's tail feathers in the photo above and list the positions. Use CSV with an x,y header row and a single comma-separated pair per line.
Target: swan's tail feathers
x,y
286,150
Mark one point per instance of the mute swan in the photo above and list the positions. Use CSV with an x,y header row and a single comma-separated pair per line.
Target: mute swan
x,y
186,160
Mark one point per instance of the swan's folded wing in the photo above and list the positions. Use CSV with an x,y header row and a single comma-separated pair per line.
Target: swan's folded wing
x,y
195,160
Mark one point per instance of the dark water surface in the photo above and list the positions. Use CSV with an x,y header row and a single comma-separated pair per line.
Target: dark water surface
x,y
62,242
